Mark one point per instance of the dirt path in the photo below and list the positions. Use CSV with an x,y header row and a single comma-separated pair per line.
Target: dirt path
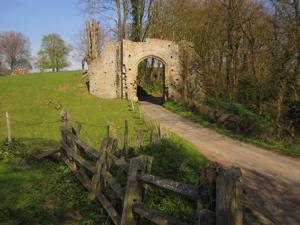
x,y
272,181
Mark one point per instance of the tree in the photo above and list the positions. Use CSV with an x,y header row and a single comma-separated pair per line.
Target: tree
x,y
54,52
80,43
113,10
15,49
138,11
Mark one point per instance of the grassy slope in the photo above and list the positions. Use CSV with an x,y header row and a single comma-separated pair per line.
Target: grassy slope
x,y
24,96
46,192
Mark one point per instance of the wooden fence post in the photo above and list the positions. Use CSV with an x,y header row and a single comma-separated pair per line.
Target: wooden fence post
x,y
79,150
206,217
134,189
229,199
8,127
95,184
78,130
107,131
67,123
125,150
103,163
139,138
114,197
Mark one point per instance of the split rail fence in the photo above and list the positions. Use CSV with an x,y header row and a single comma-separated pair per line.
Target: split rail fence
x,y
96,178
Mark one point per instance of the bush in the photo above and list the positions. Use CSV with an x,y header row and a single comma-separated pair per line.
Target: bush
x,y
294,114
11,149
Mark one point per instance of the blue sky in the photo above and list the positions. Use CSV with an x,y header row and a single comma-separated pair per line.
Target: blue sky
x,y
37,18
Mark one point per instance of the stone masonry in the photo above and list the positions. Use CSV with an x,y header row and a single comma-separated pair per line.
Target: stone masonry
x,y
113,74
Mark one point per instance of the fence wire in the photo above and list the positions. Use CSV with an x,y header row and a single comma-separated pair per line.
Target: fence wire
x,y
90,133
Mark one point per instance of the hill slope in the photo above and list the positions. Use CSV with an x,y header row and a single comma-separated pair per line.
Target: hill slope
x,y
25,98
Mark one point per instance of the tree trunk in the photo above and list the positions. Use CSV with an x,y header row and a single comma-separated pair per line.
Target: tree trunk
x,y
280,98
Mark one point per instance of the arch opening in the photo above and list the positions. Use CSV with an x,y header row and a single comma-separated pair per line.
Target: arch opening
x,y
151,80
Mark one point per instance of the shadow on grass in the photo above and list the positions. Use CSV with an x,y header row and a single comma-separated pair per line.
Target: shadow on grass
x,y
31,191
20,201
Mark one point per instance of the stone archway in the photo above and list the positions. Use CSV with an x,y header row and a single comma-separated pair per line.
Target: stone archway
x,y
151,79
135,52
113,74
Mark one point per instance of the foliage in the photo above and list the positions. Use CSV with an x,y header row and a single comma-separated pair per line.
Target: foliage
x,y
248,49
53,53
294,114
138,11
15,47
11,149
150,76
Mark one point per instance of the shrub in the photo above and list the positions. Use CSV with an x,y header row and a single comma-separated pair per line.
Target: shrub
x,y
294,114
11,149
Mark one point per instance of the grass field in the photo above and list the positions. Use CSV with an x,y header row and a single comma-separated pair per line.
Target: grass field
x,y
24,96
46,191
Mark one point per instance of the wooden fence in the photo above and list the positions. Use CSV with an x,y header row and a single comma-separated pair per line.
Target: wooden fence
x,y
97,178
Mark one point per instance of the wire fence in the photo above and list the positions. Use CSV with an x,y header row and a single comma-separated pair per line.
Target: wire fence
x,y
48,130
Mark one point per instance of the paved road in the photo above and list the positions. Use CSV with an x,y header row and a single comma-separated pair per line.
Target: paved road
x,y
272,181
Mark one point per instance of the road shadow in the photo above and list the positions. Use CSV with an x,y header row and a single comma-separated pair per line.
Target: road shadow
x,y
145,97
279,202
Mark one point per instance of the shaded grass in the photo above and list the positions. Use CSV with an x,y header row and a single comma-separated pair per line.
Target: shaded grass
x,y
41,192
21,203
176,159
46,191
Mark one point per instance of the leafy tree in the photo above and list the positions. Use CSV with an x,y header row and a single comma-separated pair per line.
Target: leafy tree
x,y
138,11
15,49
54,52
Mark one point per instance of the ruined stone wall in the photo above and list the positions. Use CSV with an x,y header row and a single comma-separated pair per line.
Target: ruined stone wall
x,y
104,72
113,74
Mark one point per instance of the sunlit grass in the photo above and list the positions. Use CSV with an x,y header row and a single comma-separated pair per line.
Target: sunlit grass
x,y
24,97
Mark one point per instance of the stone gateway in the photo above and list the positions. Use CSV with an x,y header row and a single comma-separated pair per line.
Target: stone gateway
x,y
113,74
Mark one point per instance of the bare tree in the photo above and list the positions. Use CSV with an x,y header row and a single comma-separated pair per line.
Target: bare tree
x,y
80,43
15,49
113,10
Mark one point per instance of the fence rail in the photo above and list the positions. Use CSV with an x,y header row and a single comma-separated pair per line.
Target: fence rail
x,y
229,195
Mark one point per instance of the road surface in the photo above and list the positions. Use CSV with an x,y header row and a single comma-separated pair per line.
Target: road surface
x,y
272,181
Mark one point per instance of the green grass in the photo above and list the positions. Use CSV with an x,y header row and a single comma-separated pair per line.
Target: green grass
x,y
21,203
24,96
176,159
41,192
46,191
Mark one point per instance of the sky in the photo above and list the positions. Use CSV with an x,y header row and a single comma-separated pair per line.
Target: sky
x,y
37,18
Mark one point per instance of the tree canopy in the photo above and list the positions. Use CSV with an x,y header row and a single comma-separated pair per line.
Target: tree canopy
x,y
53,53
15,49
249,49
